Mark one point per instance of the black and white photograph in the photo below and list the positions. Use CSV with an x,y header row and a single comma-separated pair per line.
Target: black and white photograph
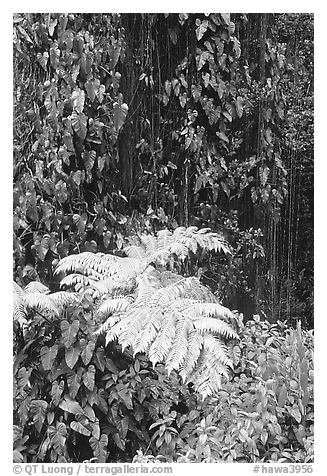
x,y
163,241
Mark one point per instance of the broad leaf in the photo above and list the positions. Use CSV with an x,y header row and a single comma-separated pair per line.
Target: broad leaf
x,y
89,378
71,355
201,29
48,354
79,124
99,448
69,332
119,115
74,381
56,391
23,376
58,437
79,428
78,98
69,405
38,408
87,350
100,360
92,87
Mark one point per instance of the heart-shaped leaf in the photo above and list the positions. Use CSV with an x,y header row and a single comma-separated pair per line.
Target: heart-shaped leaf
x,y
89,378
69,331
79,122
48,354
74,381
71,355
119,116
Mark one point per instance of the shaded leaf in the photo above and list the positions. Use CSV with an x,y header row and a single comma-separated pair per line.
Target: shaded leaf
x,y
58,437
56,391
74,382
99,448
69,331
71,355
87,350
119,115
38,408
89,378
48,354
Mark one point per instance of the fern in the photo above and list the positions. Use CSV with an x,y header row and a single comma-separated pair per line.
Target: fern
x,y
179,243
178,331
37,297
174,320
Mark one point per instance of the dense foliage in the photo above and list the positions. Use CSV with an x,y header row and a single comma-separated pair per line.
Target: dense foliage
x,y
76,398
138,121
133,135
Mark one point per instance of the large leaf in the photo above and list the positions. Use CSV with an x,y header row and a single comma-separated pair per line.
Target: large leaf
x,y
87,350
78,98
119,115
71,406
69,332
38,408
71,355
74,381
48,354
79,123
92,87
99,448
79,428
23,377
58,437
56,391
89,378
201,29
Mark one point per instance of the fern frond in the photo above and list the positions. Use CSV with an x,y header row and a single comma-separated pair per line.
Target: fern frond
x,y
18,290
112,305
178,350
41,303
113,284
134,251
100,266
194,347
148,331
207,382
164,296
63,298
218,349
162,344
133,324
217,326
148,283
90,264
210,309
36,287
77,281
149,243
208,373
109,323
19,308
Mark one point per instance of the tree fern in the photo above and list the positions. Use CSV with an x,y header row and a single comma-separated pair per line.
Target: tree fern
x,y
180,243
174,320
177,331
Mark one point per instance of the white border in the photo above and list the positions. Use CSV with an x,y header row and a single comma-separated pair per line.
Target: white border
x,y
320,197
